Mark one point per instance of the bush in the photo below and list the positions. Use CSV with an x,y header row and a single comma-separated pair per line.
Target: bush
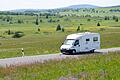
x,y
20,21
47,16
9,32
114,17
116,20
98,24
58,27
38,29
63,30
78,29
18,34
41,20
107,18
88,19
10,22
37,21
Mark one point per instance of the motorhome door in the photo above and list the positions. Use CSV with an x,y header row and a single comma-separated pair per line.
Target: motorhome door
x,y
77,45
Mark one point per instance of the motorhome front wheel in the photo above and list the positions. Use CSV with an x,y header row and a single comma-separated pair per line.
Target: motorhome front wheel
x,y
73,51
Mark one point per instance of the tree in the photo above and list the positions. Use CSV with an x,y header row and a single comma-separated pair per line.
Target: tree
x,y
37,21
20,21
78,28
58,27
88,19
47,17
98,24
41,20
39,29
114,17
63,29
9,32
106,18
116,20
8,20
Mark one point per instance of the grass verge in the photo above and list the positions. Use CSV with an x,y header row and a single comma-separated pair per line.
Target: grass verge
x,y
91,67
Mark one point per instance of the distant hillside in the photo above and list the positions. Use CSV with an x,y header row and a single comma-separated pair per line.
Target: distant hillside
x,y
27,10
113,6
82,6
69,7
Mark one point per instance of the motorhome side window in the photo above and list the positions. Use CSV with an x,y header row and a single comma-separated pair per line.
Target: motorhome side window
x,y
87,39
95,38
76,42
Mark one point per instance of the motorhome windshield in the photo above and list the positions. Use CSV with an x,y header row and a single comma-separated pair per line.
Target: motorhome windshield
x,y
69,41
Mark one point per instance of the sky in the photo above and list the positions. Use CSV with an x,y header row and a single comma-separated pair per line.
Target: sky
x,y
51,4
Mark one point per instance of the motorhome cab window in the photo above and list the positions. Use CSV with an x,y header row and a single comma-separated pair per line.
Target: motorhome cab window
x,y
69,41
76,42
95,39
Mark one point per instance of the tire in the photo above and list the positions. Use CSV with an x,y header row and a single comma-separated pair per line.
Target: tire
x,y
92,51
74,51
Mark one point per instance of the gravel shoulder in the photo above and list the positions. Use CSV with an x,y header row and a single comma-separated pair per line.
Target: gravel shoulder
x,y
41,58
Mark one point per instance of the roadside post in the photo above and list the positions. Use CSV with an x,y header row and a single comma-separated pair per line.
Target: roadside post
x,y
22,51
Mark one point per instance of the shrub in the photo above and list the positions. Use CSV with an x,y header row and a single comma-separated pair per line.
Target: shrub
x,y
39,29
58,27
2,36
78,29
63,29
114,17
18,34
107,18
10,22
98,24
88,19
20,21
116,20
9,32
37,21
47,16
41,20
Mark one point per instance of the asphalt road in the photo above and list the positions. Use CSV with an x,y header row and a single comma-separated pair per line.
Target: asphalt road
x,y
41,58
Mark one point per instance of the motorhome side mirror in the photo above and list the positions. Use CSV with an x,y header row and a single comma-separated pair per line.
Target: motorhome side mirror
x,y
74,44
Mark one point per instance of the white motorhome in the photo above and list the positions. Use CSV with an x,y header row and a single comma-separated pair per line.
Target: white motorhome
x,y
81,42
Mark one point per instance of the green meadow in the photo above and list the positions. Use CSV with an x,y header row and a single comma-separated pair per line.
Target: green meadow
x,y
48,40
37,35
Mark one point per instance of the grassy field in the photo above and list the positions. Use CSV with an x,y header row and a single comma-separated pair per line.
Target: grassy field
x,y
48,41
91,67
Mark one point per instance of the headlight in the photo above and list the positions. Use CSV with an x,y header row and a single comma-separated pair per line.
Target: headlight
x,y
67,49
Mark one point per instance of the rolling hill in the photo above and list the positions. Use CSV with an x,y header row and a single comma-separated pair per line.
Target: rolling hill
x,y
113,6
69,7
82,6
